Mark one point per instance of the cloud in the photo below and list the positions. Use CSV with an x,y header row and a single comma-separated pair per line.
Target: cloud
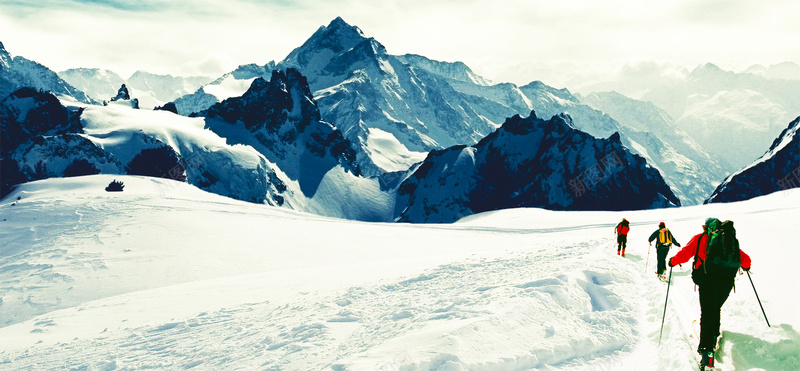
x,y
212,65
495,39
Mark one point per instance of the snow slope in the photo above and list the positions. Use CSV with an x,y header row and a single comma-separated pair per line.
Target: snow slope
x,y
166,276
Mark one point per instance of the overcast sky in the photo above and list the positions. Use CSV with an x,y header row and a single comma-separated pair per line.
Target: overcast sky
x,y
504,40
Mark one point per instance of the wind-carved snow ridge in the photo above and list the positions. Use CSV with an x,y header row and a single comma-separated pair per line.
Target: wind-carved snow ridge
x,y
531,162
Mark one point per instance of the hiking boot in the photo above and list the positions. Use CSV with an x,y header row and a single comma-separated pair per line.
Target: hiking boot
x,y
707,359
623,253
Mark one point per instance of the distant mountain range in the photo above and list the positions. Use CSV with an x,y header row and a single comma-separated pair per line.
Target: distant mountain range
x,y
150,89
733,116
395,109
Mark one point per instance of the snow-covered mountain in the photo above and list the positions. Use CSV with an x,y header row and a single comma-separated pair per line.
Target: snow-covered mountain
x,y
365,91
99,84
777,170
397,108
689,169
166,276
281,120
530,162
18,72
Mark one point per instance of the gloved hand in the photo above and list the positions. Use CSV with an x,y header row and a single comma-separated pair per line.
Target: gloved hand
x,y
746,269
670,264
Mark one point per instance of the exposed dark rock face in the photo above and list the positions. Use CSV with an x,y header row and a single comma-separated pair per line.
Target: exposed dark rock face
x,y
777,170
530,162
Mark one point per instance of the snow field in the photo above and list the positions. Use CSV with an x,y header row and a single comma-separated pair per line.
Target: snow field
x,y
166,276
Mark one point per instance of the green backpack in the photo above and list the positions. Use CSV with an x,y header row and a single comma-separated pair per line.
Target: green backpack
x,y
722,253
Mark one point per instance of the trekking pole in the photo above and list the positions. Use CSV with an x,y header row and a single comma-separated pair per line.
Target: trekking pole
x,y
647,260
665,306
759,300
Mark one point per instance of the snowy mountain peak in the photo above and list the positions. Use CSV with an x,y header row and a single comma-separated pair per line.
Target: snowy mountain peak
x,y
338,36
122,94
341,32
708,70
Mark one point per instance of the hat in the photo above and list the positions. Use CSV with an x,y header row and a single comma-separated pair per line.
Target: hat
x,y
712,223
662,225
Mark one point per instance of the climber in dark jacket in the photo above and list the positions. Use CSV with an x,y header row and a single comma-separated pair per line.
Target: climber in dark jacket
x,y
664,241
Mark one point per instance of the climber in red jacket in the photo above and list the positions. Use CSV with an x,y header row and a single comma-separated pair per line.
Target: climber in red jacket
x,y
622,236
717,259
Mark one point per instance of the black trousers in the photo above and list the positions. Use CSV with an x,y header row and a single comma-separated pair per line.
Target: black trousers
x,y
622,240
661,253
713,294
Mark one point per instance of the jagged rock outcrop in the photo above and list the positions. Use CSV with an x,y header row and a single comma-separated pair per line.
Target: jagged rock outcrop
x,y
122,94
40,138
530,162
282,121
28,113
169,107
777,170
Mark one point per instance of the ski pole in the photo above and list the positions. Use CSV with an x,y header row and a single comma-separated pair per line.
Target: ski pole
x,y
665,306
759,300
647,260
